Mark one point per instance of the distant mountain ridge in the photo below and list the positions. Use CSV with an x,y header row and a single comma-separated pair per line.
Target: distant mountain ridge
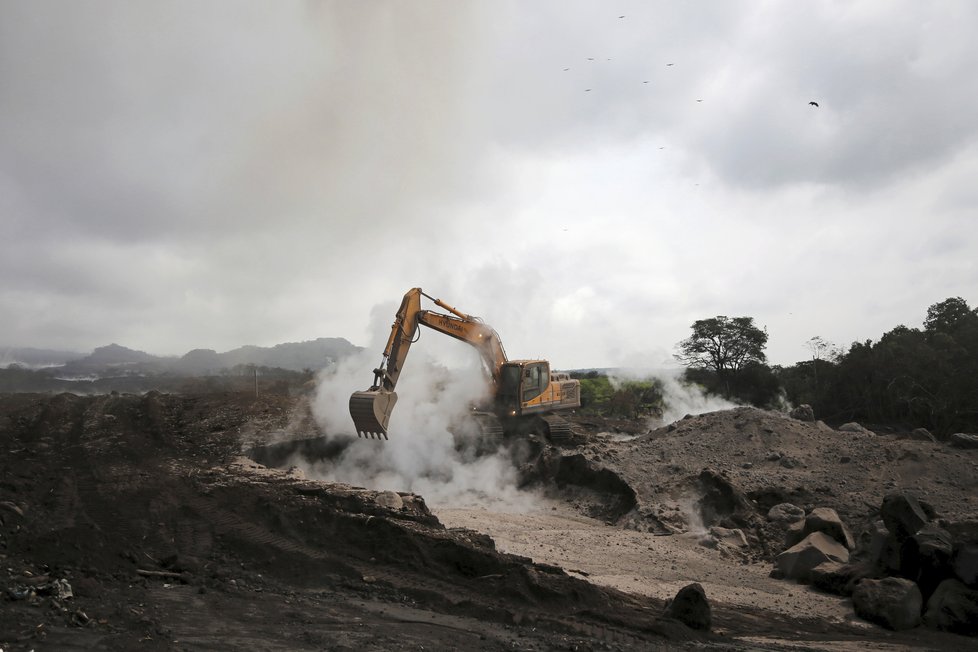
x,y
294,356
34,358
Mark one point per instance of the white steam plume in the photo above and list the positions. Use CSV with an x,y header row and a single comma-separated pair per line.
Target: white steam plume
x,y
679,398
420,456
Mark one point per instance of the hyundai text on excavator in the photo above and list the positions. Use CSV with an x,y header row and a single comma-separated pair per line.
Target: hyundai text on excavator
x,y
525,396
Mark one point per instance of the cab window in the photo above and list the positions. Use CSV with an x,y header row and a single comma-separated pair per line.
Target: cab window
x,y
509,381
536,377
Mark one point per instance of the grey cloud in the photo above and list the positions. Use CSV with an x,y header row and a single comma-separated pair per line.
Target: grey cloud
x,y
887,105
183,174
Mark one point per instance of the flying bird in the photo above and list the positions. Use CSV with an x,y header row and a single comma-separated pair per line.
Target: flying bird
x,y
566,69
587,90
813,103
669,64
621,16
699,100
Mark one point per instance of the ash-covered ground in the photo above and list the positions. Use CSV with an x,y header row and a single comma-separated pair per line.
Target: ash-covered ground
x,y
141,522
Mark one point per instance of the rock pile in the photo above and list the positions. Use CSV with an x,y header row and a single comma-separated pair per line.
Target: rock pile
x,y
912,569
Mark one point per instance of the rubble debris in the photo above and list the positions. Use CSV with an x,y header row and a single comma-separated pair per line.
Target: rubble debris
x,y
731,537
58,589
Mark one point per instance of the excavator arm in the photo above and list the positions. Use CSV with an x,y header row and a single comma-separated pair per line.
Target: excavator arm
x,y
371,409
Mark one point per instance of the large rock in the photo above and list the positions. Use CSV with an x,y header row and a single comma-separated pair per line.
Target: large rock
x,y
852,426
803,412
882,548
963,440
965,564
785,513
798,561
838,578
794,534
825,519
390,500
691,607
821,519
903,515
893,602
922,434
926,557
953,608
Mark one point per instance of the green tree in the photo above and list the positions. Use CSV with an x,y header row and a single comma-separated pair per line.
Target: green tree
x,y
726,355
948,315
723,345
911,377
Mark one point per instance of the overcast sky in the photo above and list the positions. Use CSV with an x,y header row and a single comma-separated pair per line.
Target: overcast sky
x,y
589,177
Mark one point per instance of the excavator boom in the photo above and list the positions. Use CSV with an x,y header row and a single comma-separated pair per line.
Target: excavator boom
x,y
371,409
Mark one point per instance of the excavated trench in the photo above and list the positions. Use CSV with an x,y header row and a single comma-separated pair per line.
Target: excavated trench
x,y
592,489
280,455
595,490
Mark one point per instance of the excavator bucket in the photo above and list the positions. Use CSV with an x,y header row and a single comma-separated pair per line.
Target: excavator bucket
x,y
371,412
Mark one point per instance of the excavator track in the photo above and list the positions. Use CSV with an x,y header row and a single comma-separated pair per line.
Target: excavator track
x,y
490,428
559,430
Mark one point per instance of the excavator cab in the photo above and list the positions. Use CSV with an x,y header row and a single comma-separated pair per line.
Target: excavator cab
x,y
521,381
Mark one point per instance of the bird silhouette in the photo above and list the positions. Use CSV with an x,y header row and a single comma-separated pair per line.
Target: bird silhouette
x,y
669,64
813,103
621,16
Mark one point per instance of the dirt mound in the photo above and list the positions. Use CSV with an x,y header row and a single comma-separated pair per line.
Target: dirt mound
x,y
170,538
770,458
145,505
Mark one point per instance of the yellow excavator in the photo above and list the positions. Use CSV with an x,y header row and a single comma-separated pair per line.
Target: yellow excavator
x,y
525,396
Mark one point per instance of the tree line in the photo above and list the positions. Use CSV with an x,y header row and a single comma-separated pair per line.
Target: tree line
x,y
911,377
